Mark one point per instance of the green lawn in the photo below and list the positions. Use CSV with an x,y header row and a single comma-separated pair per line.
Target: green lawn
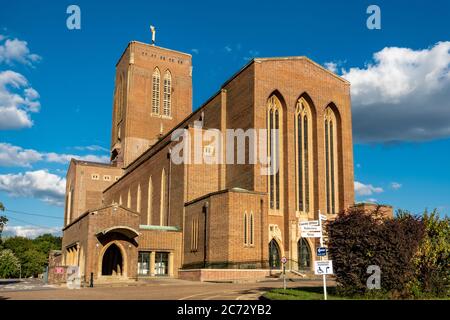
x,y
316,293
303,293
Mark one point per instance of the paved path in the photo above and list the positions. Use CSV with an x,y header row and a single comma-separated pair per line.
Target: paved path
x,y
23,285
159,289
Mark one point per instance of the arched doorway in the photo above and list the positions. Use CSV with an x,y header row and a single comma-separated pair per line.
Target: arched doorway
x,y
304,254
274,255
112,262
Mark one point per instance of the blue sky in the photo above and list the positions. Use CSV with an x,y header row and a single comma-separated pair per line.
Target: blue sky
x,y
64,78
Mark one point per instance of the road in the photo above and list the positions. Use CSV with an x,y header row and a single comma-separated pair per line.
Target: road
x,y
157,289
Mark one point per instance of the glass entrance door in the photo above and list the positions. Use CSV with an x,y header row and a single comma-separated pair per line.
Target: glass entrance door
x,y
161,263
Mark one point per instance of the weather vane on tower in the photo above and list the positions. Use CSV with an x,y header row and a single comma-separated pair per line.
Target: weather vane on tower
x,y
153,30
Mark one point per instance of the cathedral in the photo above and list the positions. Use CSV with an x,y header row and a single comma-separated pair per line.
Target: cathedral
x,y
145,215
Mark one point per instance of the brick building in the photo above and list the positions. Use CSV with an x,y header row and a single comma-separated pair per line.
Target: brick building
x,y
145,215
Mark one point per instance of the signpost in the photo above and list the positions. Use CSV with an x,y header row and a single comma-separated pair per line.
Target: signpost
x,y
324,277
313,229
283,261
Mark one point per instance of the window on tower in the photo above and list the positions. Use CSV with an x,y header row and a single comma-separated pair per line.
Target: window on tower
x,y
156,80
167,94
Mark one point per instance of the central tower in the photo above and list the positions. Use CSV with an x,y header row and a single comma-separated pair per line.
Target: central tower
x,y
153,93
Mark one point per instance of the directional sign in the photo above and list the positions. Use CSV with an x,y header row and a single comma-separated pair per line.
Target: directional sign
x,y
323,267
322,217
310,229
321,251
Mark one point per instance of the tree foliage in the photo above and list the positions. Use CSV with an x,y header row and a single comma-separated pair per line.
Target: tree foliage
x,y
32,253
9,264
359,239
3,220
433,258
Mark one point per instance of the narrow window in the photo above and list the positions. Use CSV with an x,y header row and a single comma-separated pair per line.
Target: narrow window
x,y
167,94
274,151
331,161
194,234
129,199
162,217
277,158
251,228
149,201
303,156
138,199
306,161
245,228
156,91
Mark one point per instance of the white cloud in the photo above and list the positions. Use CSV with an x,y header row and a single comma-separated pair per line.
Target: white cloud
x,y
196,51
17,101
15,156
64,158
362,189
92,148
228,49
373,200
39,184
404,95
29,231
15,50
332,66
396,185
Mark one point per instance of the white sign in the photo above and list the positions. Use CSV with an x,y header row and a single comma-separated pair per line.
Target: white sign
x,y
322,217
73,280
310,229
323,267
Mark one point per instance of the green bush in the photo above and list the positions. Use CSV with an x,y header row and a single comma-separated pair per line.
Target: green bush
x,y
432,262
9,264
358,239
32,253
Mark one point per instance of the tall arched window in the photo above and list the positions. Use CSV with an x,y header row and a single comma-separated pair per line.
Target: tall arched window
x,y
274,116
156,85
138,199
167,101
129,199
162,215
120,200
304,254
303,150
331,161
149,201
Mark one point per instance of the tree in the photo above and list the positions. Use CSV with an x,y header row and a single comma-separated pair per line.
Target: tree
x,y
34,262
33,253
3,221
433,259
47,242
359,239
9,264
